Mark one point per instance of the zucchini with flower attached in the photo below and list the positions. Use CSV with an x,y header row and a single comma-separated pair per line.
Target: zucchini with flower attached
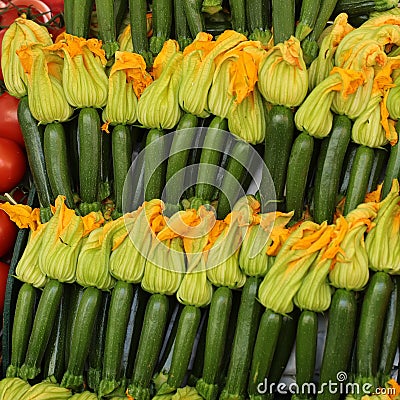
x,y
107,26
259,20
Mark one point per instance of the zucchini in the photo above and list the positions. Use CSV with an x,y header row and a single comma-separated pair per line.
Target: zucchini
x,y
211,153
182,32
378,168
89,154
194,16
346,169
359,177
238,14
234,177
162,23
81,15
369,337
82,330
390,335
71,134
22,325
339,341
117,323
105,175
363,7
122,148
393,166
151,337
298,168
154,171
96,353
178,158
217,330
45,317
308,17
120,12
330,161
69,16
107,27
258,17
33,139
283,20
306,349
54,357
279,136
245,335
264,349
138,21
189,321
56,158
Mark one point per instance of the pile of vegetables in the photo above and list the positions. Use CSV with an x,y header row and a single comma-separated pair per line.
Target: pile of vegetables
x,y
134,283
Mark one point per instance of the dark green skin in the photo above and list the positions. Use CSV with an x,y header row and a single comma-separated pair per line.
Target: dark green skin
x,y
162,24
339,340
194,16
378,168
238,12
81,14
393,166
283,20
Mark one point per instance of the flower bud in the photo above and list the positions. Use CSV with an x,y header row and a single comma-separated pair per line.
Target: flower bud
x,y
195,289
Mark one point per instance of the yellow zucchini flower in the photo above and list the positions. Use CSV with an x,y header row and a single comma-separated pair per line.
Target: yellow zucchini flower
x,y
21,32
158,105
47,390
199,65
127,80
350,270
283,75
62,241
125,40
84,78
393,99
86,395
94,258
131,246
13,388
46,97
323,64
383,241
284,279
235,77
262,243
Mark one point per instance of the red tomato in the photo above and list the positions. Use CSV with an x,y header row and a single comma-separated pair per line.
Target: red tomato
x,y
57,6
4,268
34,9
9,126
12,164
8,234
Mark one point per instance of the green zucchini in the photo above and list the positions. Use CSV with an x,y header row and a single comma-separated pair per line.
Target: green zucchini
x,y
258,17
71,134
393,166
54,357
81,16
122,147
189,321
120,12
306,349
283,20
235,173
56,158
298,168
162,23
105,175
378,168
238,14
69,16
346,169
245,335
96,353
117,323
359,177
45,317
308,17
182,32
138,21
151,337
82,330
279,136
369,337
217,330
339,342
210,158
178,159
34,150
363,7
330,161
194,16
154,171
390,335
22,325
89,154
107,27
264,349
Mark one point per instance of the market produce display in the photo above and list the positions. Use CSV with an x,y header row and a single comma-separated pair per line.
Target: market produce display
x,y
208,181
